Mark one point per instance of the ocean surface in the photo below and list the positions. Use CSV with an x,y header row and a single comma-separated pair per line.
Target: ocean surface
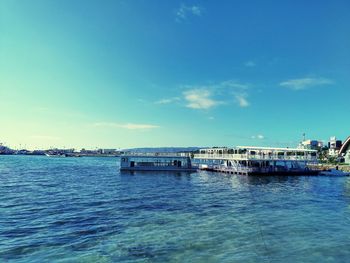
x,y
85,210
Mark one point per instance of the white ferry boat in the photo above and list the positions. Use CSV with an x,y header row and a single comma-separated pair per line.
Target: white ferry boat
x,y
156,162
56,155
249,160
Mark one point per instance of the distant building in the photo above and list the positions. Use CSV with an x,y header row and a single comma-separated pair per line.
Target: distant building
x,y
344,151
61,151
23,151
347,157
84,151
311,145
110,151
334,146
38,152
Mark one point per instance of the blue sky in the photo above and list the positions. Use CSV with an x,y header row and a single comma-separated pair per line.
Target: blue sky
x,y
173,73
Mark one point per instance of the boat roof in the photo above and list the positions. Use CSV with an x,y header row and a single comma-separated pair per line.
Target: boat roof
x,y
275,149
158,155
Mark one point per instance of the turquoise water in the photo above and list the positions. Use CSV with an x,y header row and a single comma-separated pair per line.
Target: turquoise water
x,y
84,210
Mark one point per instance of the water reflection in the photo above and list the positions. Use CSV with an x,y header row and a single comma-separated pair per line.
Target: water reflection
x,y
265,180
156,173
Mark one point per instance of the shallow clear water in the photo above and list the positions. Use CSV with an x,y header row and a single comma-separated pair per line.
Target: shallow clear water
x,y
84,210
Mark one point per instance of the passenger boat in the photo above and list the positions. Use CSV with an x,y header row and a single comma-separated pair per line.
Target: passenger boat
x,y
156,162
249,160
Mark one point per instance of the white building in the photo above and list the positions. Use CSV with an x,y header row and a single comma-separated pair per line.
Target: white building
x,y
347,157
334,146
310,145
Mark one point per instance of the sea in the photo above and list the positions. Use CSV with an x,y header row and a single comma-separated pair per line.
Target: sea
x,y
86,210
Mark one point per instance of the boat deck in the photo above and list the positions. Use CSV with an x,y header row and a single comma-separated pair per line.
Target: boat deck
x,y
156,162
262,173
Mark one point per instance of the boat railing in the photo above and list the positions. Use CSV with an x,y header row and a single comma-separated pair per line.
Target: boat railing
x,y
157,154
266,157
241,169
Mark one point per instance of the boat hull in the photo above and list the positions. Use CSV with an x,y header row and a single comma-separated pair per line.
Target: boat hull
x,y
152,168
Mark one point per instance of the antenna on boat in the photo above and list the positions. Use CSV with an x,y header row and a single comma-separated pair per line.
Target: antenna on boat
x,y
303,136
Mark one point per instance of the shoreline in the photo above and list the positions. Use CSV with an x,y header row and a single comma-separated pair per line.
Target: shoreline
x,y
72,156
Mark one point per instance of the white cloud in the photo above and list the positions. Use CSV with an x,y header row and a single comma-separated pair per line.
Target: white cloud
x,y
206,97
250,63
305,83
184,11
129,126
167,100
200,99
233,84
259,137
242,100
239,91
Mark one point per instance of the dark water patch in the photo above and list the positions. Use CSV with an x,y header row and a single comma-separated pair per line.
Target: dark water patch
x,y
142,251
20,232
19,251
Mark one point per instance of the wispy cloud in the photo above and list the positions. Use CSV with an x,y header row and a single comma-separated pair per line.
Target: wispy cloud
x,y
234,85
129,126
209,96
184,11
200,99
239,91
250,64
305,83
167,100
259,137
242,100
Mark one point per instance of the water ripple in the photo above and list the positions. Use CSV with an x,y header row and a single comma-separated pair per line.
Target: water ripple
x,y
84,210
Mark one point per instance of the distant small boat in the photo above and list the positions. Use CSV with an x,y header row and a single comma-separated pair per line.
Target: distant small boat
x,y
56,155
